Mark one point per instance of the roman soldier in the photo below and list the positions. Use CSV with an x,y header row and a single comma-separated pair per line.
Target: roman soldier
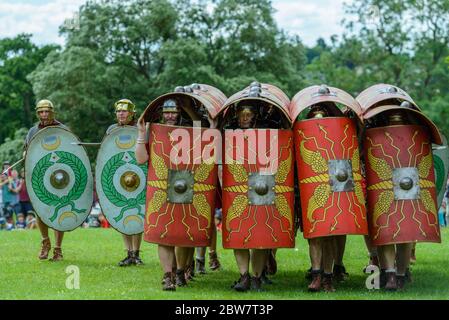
x,y
258,179
58,178
117,152
176,140
402,196
329,175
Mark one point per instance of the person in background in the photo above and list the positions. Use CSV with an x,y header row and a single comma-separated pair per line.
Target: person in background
x,y
21,223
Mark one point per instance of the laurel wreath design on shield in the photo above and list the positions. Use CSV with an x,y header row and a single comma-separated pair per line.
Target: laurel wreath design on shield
x,y
115,197
80,181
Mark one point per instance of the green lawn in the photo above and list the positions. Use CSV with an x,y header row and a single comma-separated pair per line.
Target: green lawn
x,y
97,251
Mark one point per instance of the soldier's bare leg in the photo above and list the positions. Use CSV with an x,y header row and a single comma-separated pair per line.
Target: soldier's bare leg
x,y
59,235
46,244
57,251
339,270
404,252
167,258
329,251
340,242
258,260
190,265
214,263
43,228
182,255
316,253
128,260
372,251
242,257
136,242
200,260
127,240
387,255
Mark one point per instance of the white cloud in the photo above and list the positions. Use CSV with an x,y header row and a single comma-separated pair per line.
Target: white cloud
x,y
310,20
41,18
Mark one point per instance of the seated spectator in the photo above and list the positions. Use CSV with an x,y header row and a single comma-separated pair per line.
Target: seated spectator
x,y
20,223
31,222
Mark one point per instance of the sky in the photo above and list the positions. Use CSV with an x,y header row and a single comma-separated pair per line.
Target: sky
x,y
310,20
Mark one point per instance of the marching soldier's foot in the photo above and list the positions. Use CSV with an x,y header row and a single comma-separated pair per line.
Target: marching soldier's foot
x,y
391,284
401,281
243,284
315,285
256,284
201,265
190,272
45,249
264,278
167,282
340,273
128,260
214,264
180,278
136,258
57,254
327,282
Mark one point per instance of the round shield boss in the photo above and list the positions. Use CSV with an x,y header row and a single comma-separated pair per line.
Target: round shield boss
x,y
120,181
59,178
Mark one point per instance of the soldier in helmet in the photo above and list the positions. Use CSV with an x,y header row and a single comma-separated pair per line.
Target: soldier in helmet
x,y
46,115
125,112
170,116
247,117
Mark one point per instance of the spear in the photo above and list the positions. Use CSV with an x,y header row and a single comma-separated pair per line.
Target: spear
x,y
15,164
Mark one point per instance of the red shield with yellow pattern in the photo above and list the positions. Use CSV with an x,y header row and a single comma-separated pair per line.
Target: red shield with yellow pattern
x,y
330,180
258,195
401,185
181,185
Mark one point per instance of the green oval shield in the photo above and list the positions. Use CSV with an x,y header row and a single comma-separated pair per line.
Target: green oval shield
x,y
59,178
120,181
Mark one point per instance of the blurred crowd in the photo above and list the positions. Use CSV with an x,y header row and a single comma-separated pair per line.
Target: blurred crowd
x,y
16,210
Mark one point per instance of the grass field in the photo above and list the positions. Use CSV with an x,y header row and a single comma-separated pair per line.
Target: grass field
x,y
97,251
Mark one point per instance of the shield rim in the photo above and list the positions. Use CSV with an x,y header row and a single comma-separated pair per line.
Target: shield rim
x,y
283,103
372,95
305,98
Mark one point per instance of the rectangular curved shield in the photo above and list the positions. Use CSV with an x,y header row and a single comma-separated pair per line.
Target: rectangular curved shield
x,y
401,185
181,185
329,175
258,193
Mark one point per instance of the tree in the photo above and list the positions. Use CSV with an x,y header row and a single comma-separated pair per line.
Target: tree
x,y
12,149
18,57
142,49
